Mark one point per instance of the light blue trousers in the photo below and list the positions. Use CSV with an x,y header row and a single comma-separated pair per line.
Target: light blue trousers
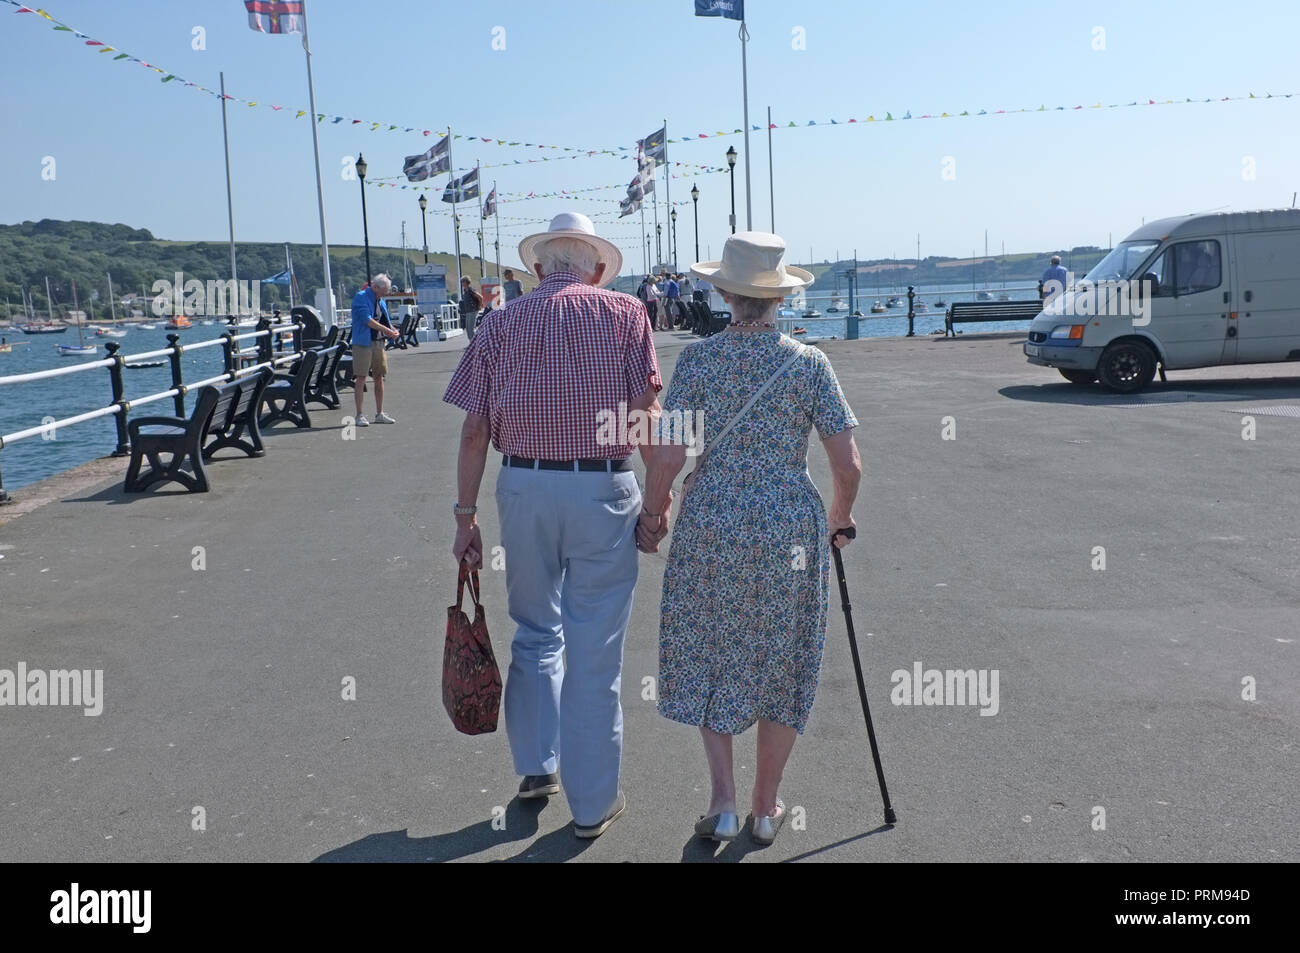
x,y
571,564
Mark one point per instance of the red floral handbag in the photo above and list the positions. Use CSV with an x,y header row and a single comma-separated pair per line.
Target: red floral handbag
x,y
471,681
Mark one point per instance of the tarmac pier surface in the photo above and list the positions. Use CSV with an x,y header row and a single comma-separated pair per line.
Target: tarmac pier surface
x,y
328,559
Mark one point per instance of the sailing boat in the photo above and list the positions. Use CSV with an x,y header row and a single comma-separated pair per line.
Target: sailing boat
x,y
81,347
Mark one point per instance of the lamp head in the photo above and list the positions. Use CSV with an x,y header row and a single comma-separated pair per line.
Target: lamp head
x,y
731,156
361,166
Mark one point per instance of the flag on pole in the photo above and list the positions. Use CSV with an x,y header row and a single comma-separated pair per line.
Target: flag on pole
x,y
628,205
731,9
490,204
282,278
275,16
655,145
462,189
437,159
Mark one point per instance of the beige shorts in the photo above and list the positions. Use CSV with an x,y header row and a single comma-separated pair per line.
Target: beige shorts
x,y
369,359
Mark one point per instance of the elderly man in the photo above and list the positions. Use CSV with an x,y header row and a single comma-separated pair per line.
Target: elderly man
x,y
548,380
1054,279
370,325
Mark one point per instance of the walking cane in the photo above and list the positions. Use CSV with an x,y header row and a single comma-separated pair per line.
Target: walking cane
x,y
851,533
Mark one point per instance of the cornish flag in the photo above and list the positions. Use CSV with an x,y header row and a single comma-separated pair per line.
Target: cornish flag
x,y
437,159
655,145
731,9
628,206
462,189
490,204
275,16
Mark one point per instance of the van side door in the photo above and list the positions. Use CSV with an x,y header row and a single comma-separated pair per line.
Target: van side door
x,y
1188,314
1268,296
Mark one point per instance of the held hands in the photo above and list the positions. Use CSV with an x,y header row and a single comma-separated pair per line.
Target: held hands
x,y
468,547
651,529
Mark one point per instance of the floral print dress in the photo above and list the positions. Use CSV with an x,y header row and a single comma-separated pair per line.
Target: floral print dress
x,y
745,590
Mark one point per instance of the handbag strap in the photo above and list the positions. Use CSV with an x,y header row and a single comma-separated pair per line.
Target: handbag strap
x,y
798,352
472,577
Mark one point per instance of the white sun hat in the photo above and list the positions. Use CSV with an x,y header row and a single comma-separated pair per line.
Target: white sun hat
x,y
574,225
753,264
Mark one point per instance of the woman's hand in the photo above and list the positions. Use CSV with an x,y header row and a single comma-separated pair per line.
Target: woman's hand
x,y
650,531
842,522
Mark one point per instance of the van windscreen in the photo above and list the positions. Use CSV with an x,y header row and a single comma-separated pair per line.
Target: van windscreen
x,y
1122,262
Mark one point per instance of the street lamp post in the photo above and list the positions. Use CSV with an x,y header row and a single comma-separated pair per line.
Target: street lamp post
x,y
659,245
695,197
424,225
731,164
673,228
365,228
480,254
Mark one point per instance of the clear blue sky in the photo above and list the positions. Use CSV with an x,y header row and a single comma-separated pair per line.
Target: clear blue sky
x,y
601,73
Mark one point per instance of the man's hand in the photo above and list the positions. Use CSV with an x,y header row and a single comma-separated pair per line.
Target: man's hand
x,y
390,332
468,547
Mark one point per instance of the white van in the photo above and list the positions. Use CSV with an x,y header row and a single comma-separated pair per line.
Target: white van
x,y
1218,289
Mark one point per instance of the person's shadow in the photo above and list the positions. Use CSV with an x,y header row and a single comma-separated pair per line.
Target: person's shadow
x,y
521,824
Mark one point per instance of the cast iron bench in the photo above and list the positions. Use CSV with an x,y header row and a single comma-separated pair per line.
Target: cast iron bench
x,y
177,436
974,312
286,394
236,416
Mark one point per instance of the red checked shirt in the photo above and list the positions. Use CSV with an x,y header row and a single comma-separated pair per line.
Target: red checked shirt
x,y
553,365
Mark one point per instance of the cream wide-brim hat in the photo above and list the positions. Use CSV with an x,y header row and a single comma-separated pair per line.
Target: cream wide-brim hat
x,y
574,225
753,264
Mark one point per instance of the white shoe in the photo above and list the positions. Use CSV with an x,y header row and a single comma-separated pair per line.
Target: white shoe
x,y
361,421
382,418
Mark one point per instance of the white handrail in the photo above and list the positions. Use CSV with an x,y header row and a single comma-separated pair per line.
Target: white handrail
x,y
54,372
66,422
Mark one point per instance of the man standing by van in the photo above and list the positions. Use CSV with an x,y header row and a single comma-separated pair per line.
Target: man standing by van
x,y
1054,279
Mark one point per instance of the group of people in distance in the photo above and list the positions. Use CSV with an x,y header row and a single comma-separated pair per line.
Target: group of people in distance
x,y
662,295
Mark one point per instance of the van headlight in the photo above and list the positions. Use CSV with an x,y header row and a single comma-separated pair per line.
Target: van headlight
x,y
1067,334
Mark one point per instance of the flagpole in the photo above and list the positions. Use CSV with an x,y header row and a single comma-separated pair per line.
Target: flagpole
x,y
771,188
478,185
288,264
496,213
320,191
658,253
230,207
668,191
455,222
744,80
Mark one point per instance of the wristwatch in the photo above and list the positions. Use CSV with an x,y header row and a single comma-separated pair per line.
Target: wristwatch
x,y
460,510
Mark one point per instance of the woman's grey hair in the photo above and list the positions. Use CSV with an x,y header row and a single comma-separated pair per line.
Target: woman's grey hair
x,y
382,283
568,254
751,310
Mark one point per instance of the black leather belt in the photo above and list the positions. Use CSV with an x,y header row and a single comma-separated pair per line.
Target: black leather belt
x,y
584,466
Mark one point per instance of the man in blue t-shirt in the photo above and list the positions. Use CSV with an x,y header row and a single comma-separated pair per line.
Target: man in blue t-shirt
x,y
370,325
672,301
1054,279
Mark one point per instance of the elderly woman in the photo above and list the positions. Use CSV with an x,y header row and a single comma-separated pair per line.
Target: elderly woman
x,y
745,590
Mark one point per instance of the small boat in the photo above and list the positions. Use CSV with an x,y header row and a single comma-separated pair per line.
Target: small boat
x,y
43,328
799,331
836,305
878,308
921,306
1004,297
812,313
940,303
138,365
81,347
179,323
109,333
984,296
895,302
146,327
6,348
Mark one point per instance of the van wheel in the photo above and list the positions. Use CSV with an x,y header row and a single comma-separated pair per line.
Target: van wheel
x,y
1126,367
1078,377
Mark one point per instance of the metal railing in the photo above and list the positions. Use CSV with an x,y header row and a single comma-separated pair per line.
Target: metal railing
x,y
238,362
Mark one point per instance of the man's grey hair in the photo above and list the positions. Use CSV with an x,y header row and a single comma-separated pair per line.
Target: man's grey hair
x,y
568,254
1056,259
382,283
751,310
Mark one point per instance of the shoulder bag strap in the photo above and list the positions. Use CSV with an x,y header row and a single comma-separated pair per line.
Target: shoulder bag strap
x,y
797,353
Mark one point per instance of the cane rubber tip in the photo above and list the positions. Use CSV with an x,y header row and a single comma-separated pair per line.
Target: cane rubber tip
x,y
890,816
